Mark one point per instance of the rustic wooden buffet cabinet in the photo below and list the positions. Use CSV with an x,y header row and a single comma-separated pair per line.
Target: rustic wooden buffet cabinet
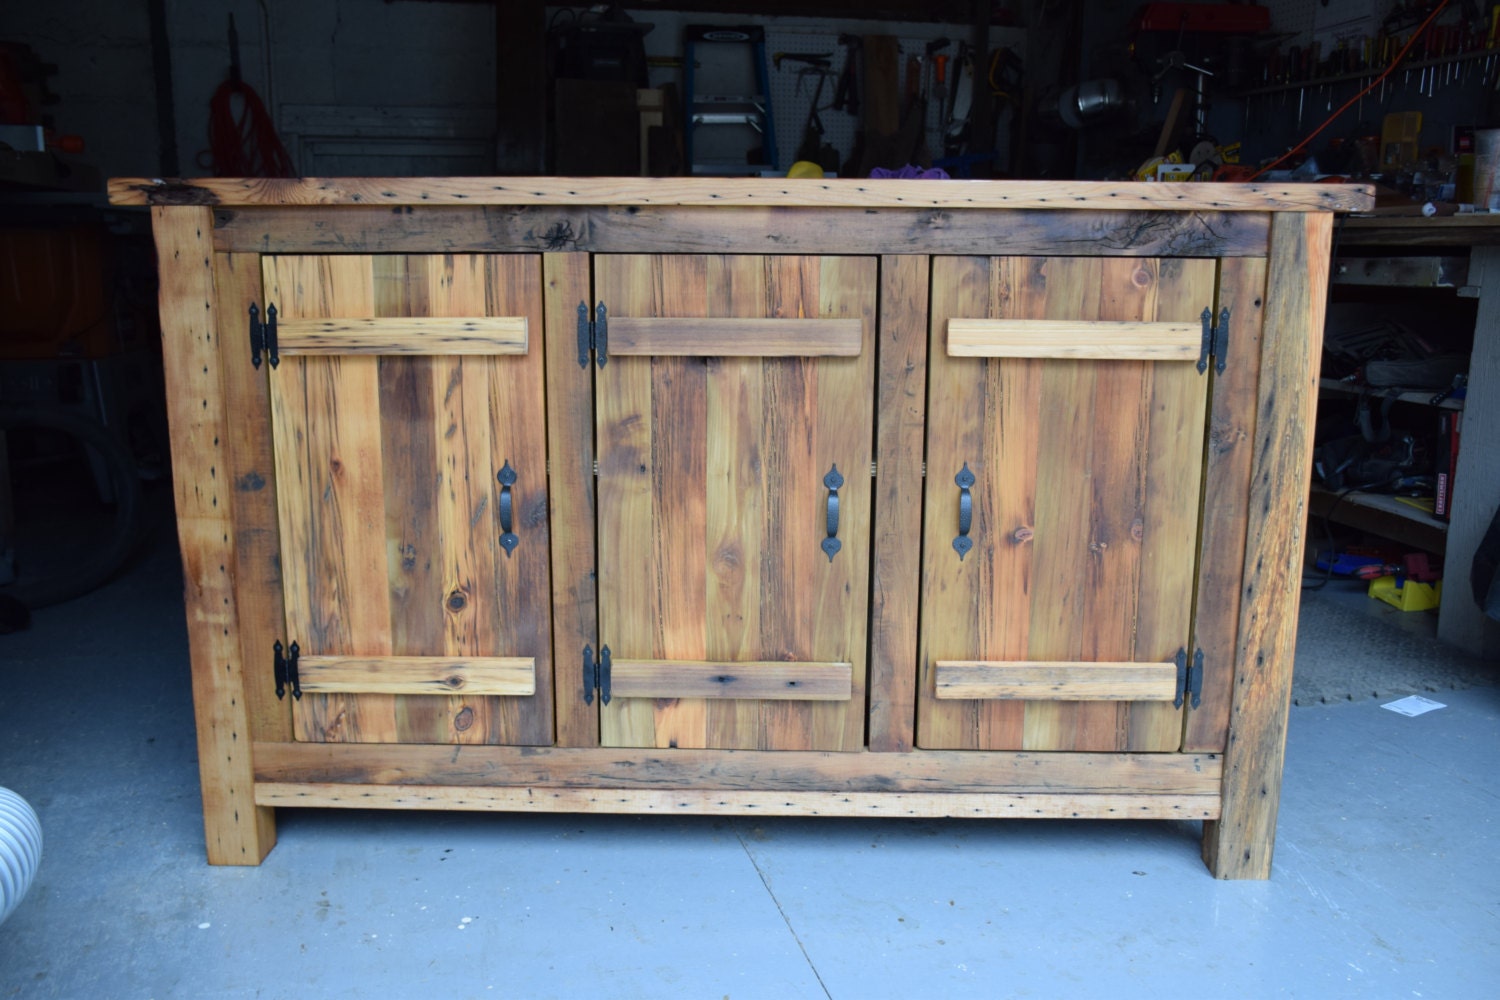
x,y
899,498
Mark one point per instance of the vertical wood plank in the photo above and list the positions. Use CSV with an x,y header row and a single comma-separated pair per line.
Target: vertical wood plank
x,y
736,501
522,580
409,409
1239,844
251,470
236,830
1171,513
628,611
1229,453
789,578
677,570
570,459
1060,547
842,288
331,494
896,559
950,602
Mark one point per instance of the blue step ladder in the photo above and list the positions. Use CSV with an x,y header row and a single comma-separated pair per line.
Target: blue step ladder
x,y
728,114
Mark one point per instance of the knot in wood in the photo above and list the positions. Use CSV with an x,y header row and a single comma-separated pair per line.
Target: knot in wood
x,y
455,682
1137,529
457,601
464,719
1141,278
1022,534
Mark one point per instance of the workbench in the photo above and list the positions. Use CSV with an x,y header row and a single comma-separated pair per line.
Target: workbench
x,y
886,498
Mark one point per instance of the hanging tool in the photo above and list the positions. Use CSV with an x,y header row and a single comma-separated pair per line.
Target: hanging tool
x,y
242,139
817,60
812,148
846,94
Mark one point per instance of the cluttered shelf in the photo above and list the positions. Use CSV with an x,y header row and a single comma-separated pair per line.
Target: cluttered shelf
x,y
1383,514
1435,280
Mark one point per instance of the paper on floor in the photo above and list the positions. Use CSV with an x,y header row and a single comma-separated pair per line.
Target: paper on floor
x,y
1413,705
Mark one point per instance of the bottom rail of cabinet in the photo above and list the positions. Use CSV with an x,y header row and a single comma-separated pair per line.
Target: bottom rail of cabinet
x,y
712,802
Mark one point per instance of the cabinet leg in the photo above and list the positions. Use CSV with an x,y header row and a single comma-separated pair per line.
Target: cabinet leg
x,y
1239,844
239,837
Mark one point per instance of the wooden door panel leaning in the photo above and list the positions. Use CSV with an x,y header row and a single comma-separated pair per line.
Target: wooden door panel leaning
x,y
637,418
392,428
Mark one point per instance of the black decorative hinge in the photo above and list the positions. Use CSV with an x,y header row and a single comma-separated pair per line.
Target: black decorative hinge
x,y
595,675
1189,678
593,335
263,336
1215,341
285,666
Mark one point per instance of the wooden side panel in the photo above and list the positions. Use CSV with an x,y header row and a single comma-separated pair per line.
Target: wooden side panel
x,y
897,568
387,481
238,832
1228,456
570,459
1085,505
1239,845
251,469
713,505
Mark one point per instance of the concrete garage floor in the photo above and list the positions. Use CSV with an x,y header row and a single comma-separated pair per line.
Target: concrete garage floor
x,y
1386,882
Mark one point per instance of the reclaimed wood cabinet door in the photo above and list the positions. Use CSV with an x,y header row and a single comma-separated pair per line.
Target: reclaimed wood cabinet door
x,y
734,431
1065,452
410,453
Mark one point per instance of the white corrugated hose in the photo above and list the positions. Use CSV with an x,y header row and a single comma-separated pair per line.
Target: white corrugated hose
x,y
20,849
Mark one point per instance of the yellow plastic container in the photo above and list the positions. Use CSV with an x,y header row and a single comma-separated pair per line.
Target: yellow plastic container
x,y
1410,596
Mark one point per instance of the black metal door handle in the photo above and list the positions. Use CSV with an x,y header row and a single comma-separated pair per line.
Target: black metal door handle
x,y
508,539
963,543
833,481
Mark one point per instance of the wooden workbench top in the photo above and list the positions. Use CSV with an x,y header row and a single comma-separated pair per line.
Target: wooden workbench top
x,y
774,192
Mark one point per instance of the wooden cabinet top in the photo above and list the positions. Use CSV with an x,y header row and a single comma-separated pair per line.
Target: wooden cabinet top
x,y
770,192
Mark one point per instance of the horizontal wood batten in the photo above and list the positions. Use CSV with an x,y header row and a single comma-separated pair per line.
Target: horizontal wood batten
x,y
745,770
753,229
475,675
772,680
923,805
1051,681
1077,339
734,337
1111,195
404,335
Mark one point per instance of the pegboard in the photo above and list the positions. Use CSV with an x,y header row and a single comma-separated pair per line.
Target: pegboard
x,y
724,70
791,101
1291,16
